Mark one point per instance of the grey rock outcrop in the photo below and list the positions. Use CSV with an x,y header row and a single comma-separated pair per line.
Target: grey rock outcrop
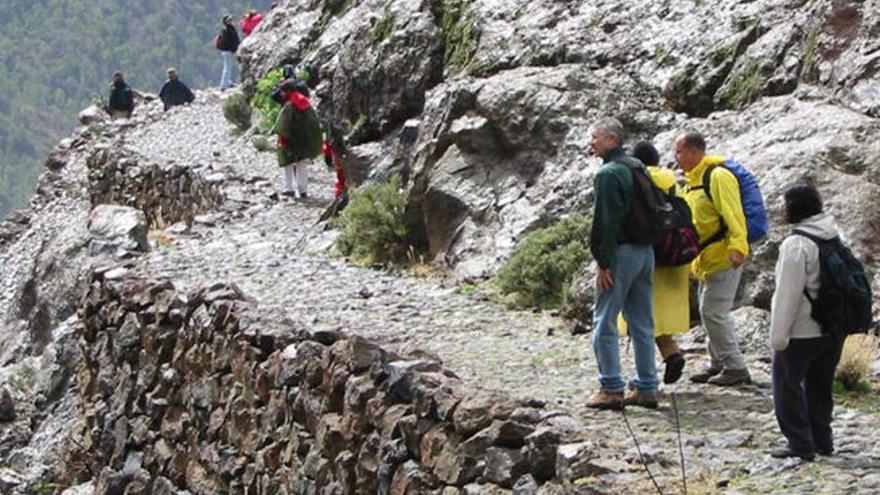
x,y
118,228
93,115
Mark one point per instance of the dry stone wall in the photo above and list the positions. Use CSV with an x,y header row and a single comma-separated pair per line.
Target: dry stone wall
x,y
166,193
206,392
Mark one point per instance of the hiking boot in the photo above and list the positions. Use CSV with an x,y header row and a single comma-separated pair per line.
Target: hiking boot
x,y
606,400
786,452
674,367
729,378
705,375
641,399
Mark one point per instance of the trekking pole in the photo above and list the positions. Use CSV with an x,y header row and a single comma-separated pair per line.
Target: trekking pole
x,y
684,482
639,450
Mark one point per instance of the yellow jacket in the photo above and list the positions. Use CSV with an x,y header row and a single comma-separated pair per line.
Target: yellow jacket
x,y
671,286
726,204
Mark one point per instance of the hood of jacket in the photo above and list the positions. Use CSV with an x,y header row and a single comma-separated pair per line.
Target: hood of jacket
x,y
821,226
298,100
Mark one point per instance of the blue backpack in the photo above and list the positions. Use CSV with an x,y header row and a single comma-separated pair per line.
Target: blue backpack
x,y
750,195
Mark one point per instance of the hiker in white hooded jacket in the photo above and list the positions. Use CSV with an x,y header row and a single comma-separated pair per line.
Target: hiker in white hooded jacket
x,y
805,359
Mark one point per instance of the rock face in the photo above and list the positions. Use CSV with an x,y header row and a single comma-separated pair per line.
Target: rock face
x,y
501,95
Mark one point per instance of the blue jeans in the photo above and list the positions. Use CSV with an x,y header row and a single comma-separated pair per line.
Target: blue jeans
x,y
632,271
228,69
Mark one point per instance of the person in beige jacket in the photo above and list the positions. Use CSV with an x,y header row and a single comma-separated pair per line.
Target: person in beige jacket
x,y
804,359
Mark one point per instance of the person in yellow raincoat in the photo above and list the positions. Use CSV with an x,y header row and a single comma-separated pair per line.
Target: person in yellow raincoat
x,y
671,285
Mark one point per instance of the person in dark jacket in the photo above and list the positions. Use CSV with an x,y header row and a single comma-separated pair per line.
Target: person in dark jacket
x,y
121,103
174,92
227,43
624,281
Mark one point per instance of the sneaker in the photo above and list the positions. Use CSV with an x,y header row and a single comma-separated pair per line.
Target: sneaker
x,y
288,194
606,400
786,453
674,367
641,399
303,195
730,378
705,375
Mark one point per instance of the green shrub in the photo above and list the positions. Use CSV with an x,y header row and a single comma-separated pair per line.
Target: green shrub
x,y
383,28
459,32
237,111
261,143
373,227
263,102
544,262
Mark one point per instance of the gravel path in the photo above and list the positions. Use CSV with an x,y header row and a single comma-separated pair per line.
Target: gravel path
x,y
276,254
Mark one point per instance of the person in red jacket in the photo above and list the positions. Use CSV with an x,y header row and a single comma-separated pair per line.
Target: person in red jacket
x,y
250,21
331,159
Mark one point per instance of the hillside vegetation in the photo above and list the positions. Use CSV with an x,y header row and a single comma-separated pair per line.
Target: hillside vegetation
x,y
56,55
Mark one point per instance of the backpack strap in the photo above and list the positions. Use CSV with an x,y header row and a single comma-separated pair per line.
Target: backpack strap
x,y
818,241
707,189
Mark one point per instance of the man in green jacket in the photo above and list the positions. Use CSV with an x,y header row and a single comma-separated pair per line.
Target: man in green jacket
x,y
625,278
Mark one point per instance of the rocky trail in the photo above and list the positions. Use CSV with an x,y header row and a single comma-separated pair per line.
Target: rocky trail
x,y
277,255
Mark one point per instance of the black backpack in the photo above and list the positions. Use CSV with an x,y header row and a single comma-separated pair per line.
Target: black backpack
x,y
652,215
679,245
843,306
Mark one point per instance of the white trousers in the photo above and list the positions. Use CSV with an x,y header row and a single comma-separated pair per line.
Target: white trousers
x,y
298,172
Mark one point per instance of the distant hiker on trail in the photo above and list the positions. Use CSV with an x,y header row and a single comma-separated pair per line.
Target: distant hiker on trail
x,y
624,281
227,42
250,21
721,225
299,138
121,104
804,359
671,284
174,92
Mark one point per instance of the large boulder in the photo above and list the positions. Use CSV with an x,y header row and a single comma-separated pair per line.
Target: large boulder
x,y
500,156
93,115
119,227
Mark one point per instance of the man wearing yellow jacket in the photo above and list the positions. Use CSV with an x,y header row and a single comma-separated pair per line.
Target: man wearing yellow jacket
x,y
719,265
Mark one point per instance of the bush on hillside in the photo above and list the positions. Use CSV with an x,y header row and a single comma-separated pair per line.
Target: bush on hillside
x,y
237,111
544,262
262,100
372,225
261,143
859,354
